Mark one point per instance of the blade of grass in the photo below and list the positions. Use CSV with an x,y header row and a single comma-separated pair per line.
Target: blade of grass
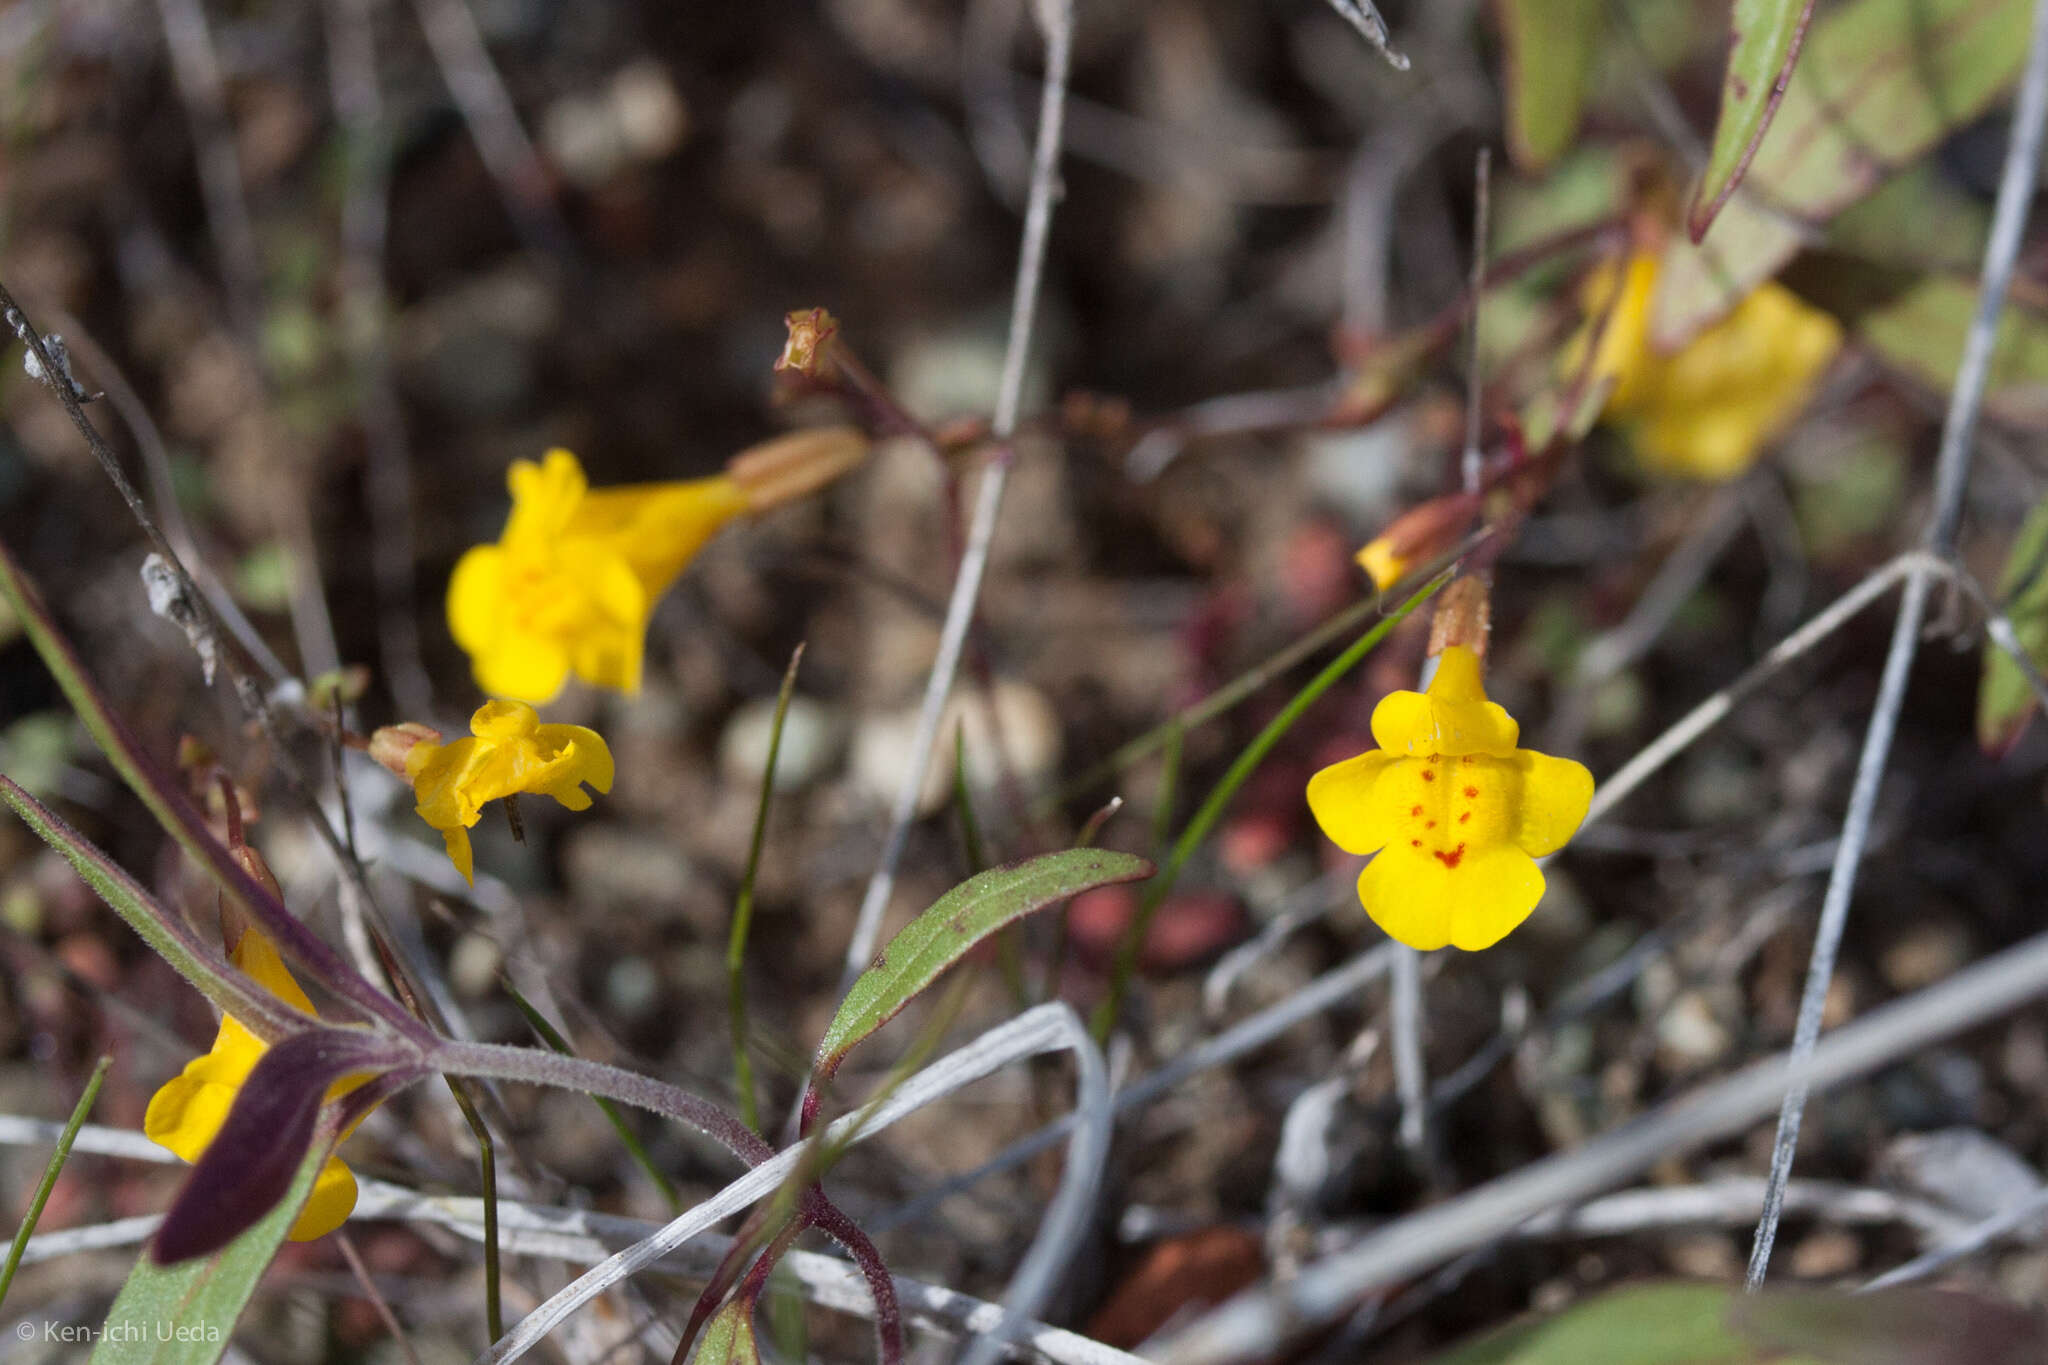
x,y
1220,796
743,909
487,1164
1169,785
50,1173
550,1035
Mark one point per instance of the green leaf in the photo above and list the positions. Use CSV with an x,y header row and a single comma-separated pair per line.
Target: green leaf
x,y
729,1337
1547,54
958,920
184,1314
2004,701
1666,1324
1765,44
1921,331
1879,83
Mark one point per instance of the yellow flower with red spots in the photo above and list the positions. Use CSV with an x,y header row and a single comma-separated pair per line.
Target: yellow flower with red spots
x,y
186,1114
575,575
1455,814
1706,410
507,752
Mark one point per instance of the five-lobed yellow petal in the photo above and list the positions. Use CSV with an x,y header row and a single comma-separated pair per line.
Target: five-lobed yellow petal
x,y
508,752
1454,812
575,575
1706,410
187,1112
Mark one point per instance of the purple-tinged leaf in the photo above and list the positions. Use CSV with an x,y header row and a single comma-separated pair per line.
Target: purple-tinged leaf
x,y
1891,1327
1761,50
251,1162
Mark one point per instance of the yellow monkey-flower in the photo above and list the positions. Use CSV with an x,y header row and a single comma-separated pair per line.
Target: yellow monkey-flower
x,y
1456,814
1706,410
508,752
186,1114
571,582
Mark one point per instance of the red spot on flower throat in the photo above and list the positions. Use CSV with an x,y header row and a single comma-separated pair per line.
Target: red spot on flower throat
x,y
1452,858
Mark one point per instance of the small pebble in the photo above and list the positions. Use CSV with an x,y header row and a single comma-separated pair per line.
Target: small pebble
x,y
813,736
473,966
1825,1254
632,987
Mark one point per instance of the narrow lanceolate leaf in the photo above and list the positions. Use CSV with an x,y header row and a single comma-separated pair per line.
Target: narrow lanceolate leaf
x,y
1547,51
1878,83
251,1163
1761,50
184,1314
729,1337
957,921
196,960
2004,701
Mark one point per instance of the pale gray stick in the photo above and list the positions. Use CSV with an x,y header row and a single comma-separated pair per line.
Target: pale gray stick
x,y
1056,17
1404,1021
1966,1243
197,71
584,1237
1703,717
1364,16
1256,1323
1330,989
1951,476
1059,1236
1046,1028
493,122
1736,1200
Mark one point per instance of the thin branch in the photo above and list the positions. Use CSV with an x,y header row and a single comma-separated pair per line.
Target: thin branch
x,y
479,92
1967,1243
1328,991
585,1237
1048,1028
1057,18
196,69
361,1271
1951,476
1255,1324
1364,16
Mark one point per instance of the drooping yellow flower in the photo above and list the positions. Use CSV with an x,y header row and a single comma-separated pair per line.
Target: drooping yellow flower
x,y
1705,411
1456,814
186,1114
572,580
509,751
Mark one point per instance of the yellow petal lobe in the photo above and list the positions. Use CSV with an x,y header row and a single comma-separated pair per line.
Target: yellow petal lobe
x,y
1453,812
572,580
